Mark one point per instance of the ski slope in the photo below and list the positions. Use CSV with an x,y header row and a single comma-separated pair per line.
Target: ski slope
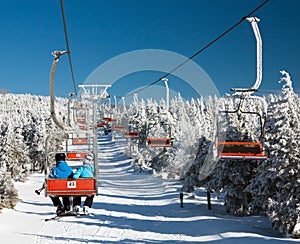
x,y
132,207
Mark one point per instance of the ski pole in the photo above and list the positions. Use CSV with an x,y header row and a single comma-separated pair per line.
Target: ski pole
x,y
38,191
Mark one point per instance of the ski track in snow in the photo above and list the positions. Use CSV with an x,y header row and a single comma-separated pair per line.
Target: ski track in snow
x,y
131,207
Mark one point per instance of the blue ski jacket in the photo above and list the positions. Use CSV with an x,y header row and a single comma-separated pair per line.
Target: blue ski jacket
x,y
85,171
62,170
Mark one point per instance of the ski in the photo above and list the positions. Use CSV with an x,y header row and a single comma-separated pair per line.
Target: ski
x,y
69,214
66,214
84,214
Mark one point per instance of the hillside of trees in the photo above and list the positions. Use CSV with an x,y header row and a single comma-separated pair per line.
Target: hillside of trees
x,y
269,187
24,126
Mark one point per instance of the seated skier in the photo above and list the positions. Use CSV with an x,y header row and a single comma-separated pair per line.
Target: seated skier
x,y
61,170
85,171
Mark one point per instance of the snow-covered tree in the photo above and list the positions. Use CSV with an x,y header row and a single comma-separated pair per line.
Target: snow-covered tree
x,y
276,188
191,178
8,193
24,126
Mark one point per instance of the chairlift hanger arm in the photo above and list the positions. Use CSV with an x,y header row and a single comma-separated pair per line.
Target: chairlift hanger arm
x,y
254,88
254,21
56,55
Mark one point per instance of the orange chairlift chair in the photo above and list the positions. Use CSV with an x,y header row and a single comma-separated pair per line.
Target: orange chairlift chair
x,y
252,150
119,128
79,139
109,119
68,186
159,141
243,150
131,132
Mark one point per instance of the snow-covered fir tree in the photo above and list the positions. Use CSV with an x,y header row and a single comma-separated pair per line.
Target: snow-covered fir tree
x,y
8,193
276,187
191,178
24,125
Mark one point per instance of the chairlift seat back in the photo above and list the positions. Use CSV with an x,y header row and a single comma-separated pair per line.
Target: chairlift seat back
x,y
81,120
159,142
76,155
79,141
119,128
131,134
71,187
109,119
83,127
241,150
101,124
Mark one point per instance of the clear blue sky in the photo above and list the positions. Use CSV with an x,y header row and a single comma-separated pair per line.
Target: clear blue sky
x,y
101,30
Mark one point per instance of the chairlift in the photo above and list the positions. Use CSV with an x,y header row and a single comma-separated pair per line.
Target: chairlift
x,y
246,150
68,186
131,131
241,150
57,187
102,124
79,141
109,119
131,134
76,155
119,128
83,127
159,141
81,120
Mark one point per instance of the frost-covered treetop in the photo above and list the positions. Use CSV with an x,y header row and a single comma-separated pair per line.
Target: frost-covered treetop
x,y
287,87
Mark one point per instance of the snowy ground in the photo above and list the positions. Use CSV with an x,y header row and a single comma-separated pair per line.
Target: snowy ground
x,y
132,207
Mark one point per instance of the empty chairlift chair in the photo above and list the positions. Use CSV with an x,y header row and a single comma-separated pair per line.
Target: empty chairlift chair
x,y
245,150
159,142
80,141
131,134
166,141
241,150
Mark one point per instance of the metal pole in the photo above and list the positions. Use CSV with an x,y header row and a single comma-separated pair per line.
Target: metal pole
x,y
124,106
115,98
69,102
167,93
95,144
136,101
